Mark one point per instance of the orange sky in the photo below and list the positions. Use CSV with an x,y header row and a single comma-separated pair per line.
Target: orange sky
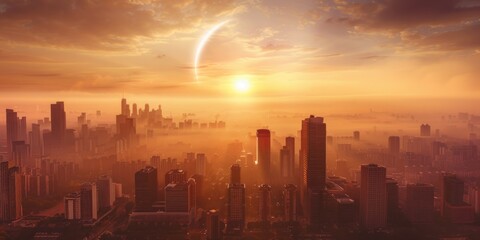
x,y
287,49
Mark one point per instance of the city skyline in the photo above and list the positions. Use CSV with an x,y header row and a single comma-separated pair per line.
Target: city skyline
x,y
240,119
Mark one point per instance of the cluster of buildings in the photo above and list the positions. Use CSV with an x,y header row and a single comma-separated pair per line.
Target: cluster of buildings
x,y
154,119
284,190
26,171
93,197
178,205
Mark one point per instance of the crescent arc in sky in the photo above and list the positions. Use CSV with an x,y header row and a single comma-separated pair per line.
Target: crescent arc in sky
x,y
201,44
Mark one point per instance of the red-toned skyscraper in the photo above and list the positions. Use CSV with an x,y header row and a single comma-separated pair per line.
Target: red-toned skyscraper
x,y
313,164
290,202
264,202
88,201
235,173
59,122
290,144
373,197
263,152
145,188
420,203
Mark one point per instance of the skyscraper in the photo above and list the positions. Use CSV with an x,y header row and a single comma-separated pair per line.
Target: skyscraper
x,y
145,188
356,135
313,163
4,203
425,130
394,144
290,202
177,197
174,176
134,110
192,197
452,189
125,109
36,141
126,126
21,154
373,199
392,200
236,208
106,192
235,173
22,129
88,201
10,192
213,225
453,208
263,152
59,124
72,206
180,197
264,202
420,200
286,170
12,125
201,164
290,144
15,193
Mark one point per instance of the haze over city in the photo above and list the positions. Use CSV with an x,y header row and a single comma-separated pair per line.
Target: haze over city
x,y
239,119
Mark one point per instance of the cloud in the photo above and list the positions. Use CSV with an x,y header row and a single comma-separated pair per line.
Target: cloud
x,y
101,24
464,38
14,57
43,75
431,22
397,15
276,45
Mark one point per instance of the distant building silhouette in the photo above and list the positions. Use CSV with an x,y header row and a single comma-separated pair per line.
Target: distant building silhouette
x,y
236,208
106,192
263,153
201,164
425,130
264,206
313,168
145,188
21,155
356,135
177,197
235,174
453,208
392,200
420,203
72,206
10,192
88,201
214,231
373,199
290,202
175,175
58,121
286,164
181,197
290,144
394,144
16,129
36,143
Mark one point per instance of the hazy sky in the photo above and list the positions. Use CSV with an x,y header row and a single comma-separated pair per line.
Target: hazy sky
x,y
285,48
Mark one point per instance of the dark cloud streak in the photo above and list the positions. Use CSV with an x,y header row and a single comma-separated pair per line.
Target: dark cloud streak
x,y
432,23
100,24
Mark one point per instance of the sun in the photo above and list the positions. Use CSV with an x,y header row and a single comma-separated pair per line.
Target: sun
x,y
242,85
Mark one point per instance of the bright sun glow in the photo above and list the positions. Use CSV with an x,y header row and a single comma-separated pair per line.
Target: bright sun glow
x,y
242,85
